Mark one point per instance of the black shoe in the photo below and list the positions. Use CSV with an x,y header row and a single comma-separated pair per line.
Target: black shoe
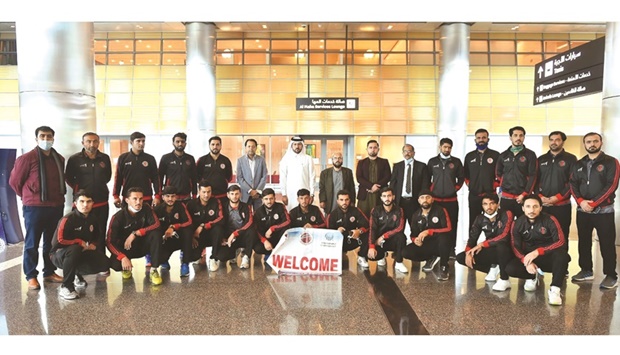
x,y
452,255
444,274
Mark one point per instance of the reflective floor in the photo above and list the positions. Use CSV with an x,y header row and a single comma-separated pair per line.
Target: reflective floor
x,y
232,301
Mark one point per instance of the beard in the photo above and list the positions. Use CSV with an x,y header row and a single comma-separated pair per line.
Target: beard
x,y
425,205
179,149
387,203
594,149
337,164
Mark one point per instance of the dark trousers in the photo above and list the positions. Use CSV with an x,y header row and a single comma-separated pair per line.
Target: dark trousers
x,y
102,213
39,221
452,207
245,240
205,239
259,247
500,254
605,226
75,260
352,244
151,244
556,262
436,245
563,215
511,205
395,244
409,206
475,208
173,244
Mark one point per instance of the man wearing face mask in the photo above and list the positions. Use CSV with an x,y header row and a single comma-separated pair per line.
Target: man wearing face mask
x,y
479,168
38,178
178,169
91,170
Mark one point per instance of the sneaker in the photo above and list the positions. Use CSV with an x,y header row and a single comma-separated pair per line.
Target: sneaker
x,y
492,274
361,261
67,294
531,284
555,297
400,267
104,273
267,255
430,264
583,276
165,266
381,262
501,285
155,278
245,262
184,270
214,264
79,281
444,273
126,274
147,257
609,282
452,254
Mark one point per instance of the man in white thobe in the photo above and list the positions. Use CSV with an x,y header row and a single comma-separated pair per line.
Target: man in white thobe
x,y
296,172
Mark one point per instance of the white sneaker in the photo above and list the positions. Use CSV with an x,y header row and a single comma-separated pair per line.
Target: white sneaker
x,y
381,262
79,282
531,284
555,297
400,267
362,262
245,262
492,275
501,285
66,294
214,264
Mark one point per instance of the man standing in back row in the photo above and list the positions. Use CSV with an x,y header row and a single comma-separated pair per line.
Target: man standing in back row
x,y
479,168
178,169
373,173
333,180
251,174
215,168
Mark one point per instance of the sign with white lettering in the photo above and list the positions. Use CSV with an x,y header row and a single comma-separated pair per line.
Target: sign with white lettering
x,y
327,103
574,73
308,251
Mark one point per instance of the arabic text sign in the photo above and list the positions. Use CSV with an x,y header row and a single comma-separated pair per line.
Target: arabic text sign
x,y
327,103
308,251
576,72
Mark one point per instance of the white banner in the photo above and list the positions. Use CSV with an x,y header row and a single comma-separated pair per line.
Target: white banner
x,y
308,251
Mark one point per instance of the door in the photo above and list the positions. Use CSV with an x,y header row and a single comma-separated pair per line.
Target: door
x,y
321,148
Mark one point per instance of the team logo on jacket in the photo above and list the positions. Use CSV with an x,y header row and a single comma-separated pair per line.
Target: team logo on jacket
x,y
276,216
490,160
543,230
222,166
435,219
312,218
522,159
91,228
394,218
176,215
600,168
306,238
352,219
451,165
145,163
211,212
102,164
499,224
562,163
187,162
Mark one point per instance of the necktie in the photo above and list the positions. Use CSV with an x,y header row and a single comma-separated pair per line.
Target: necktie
x,y
408,185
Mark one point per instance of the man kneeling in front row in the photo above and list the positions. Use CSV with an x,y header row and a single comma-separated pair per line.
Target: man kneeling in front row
x,y
351,222
74,246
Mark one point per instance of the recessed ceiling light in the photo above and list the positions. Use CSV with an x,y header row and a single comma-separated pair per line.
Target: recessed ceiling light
x,y
264,26
390,27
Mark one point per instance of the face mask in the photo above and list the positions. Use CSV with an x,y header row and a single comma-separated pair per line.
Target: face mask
x,y
489,216
444,156
46,145
482,146
133,210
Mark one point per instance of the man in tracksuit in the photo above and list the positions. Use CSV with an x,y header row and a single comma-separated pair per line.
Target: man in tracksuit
x,y
133,233
271,221
479,167
216,168
552,184
387,222
447,178
305,214
207,225
178,169
430,234
174,226
594,181
239,230
353,225
91,170
537,242
75,244
492,254
137,169
516,171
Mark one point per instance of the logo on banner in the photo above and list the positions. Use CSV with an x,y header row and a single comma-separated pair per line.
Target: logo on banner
x,y
305,238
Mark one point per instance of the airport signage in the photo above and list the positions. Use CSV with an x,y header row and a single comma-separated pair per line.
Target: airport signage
x,y
327,103
574,73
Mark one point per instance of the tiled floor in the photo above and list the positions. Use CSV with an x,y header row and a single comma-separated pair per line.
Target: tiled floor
x,y
231,301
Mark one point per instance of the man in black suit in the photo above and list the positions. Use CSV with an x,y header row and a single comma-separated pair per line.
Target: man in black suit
x,y
412,171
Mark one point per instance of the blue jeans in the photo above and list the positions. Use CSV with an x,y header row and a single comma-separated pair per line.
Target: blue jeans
x,y
39,221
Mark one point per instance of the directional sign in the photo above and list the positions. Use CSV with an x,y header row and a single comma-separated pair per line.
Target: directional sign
x,y
327,103
574,73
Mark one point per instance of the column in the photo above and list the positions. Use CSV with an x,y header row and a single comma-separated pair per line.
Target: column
x,y
200,81
610,122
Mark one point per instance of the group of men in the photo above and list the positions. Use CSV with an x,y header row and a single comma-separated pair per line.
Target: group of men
x,y
524,229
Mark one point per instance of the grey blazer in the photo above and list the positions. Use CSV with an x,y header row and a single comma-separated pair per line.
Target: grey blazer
x,y
244,175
